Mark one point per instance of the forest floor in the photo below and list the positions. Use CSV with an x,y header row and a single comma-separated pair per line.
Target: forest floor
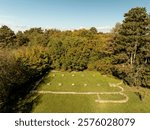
x,y
87,91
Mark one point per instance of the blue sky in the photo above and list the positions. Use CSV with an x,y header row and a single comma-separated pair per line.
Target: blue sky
x,y
66,14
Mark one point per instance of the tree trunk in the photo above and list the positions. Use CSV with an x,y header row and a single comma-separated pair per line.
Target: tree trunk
x,y
131,59
134,55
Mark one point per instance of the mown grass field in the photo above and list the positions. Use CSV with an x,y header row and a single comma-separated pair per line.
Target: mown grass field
x,y
77,81
87,81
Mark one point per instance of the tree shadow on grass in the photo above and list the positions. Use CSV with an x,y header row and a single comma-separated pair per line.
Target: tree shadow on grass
x,y
31,100
21,99
27,105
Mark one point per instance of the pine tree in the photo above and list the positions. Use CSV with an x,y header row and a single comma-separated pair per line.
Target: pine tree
x,y
132,47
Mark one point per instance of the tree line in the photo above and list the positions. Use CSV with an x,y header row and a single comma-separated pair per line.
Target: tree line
x,y
27,56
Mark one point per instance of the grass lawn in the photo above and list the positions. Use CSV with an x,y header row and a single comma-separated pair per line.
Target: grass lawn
x,y
87,81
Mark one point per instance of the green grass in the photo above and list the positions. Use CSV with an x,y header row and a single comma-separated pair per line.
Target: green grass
x,y
111,96
83,82
86,103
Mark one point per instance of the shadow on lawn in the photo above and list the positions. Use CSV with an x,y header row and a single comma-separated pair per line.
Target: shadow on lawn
x,y
21,100
27,105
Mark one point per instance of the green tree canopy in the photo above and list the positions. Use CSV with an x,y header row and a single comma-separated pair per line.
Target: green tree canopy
x,y
132,44
7,36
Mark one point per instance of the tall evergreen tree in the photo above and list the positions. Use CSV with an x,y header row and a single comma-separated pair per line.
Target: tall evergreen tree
x,y
132,45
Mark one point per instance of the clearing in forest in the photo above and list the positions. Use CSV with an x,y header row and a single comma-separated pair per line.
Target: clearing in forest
x,y
106,89
87,91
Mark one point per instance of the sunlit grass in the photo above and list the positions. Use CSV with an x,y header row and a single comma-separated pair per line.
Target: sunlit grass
x,y
86,103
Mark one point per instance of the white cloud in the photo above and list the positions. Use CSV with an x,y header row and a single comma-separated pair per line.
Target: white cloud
x,y
16,28
104,29
20,28
12,22
16,25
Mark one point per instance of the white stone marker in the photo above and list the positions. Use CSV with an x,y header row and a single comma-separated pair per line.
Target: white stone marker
x,y
48,83
85,85
60,84
98,84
